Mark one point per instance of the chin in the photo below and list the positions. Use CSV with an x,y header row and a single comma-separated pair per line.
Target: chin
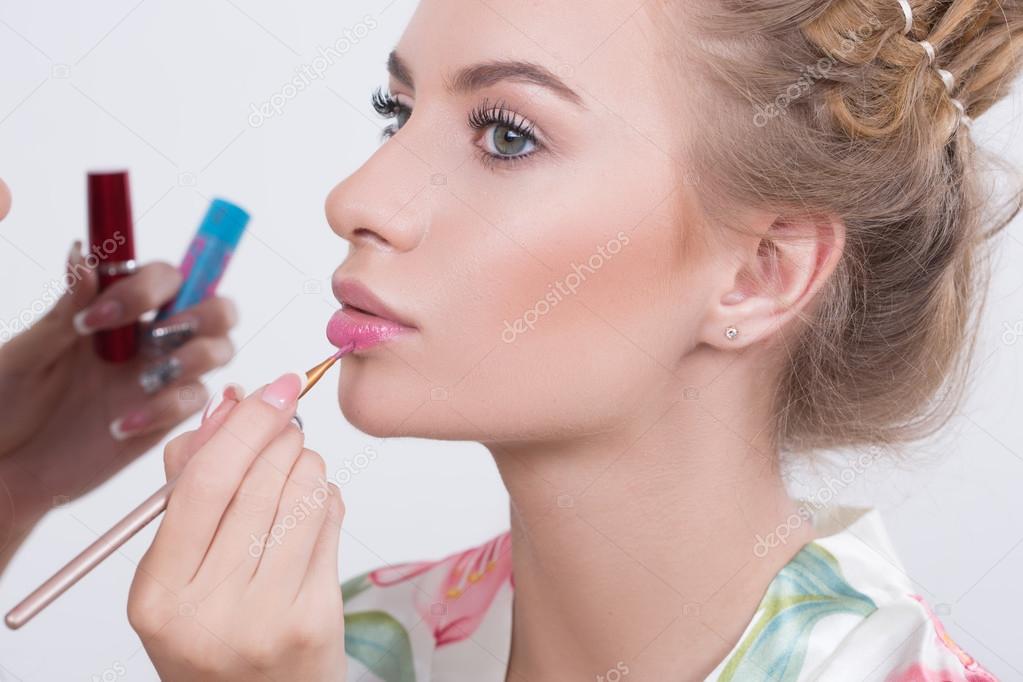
x,y
398,409
383,397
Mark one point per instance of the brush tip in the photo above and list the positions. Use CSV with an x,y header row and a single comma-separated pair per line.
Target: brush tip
x,y
344,349
310,377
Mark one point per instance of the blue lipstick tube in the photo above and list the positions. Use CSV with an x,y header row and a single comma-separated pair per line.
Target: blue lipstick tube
x,y
208,255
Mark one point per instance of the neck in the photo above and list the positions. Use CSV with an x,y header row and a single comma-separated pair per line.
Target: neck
x,y
635,548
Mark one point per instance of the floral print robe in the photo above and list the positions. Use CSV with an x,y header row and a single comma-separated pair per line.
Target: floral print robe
x,y
840,609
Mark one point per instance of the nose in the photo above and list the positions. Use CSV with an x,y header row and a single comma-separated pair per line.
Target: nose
x,y
378,206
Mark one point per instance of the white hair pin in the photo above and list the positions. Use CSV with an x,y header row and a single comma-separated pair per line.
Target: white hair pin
x,y
908,12
946,76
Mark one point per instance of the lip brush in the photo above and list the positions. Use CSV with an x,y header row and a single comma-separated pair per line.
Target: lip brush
x,y
121,532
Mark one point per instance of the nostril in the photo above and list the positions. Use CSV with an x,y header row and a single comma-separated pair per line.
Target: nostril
x,y
367,236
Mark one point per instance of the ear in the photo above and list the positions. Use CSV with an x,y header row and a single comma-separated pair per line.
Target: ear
x,y
773,275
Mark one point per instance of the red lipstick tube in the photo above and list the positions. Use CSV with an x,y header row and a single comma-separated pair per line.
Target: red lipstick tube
x,y
112,244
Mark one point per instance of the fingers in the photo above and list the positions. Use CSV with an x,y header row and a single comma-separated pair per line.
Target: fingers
x,y
213,317
189,362
180,449
247,521
296,525
176,454
50,336
322,572
212,349
124,301
80,278
160,412
209,480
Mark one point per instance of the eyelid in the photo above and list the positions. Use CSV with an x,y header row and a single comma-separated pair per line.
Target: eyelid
x,y
503,110
400,98
493,109
394,88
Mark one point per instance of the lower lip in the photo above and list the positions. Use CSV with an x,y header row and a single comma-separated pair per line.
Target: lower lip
x,y
349,326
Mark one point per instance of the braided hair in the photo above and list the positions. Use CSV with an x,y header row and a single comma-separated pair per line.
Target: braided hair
x,y
835,107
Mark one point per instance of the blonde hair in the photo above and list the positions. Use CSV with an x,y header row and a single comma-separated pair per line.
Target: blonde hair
x,y
826,107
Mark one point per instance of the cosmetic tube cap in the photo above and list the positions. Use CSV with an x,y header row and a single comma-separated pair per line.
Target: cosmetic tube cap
x,y
112,244
111,233
225,221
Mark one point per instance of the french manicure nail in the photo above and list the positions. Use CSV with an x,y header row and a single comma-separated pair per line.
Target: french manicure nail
x,y
90,319
130,424
284,390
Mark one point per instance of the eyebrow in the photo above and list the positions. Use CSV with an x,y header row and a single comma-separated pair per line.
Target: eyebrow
x,y
483,74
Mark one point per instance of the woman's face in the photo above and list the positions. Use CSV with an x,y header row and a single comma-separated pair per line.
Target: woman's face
x,y
526,220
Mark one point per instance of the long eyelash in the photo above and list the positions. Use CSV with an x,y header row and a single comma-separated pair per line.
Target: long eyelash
x,y
384,102
387,106
481,117
486,115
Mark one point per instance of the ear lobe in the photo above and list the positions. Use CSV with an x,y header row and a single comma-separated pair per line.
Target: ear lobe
x,y
775,279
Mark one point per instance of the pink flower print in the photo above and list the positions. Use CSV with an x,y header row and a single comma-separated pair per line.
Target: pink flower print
x,y
975,672
455,593
918,672
392,575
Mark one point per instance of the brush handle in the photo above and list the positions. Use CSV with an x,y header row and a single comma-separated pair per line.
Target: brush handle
x,y
123,531
90,557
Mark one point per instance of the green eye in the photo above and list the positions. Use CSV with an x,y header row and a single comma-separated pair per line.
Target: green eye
x,y
506,136
509,142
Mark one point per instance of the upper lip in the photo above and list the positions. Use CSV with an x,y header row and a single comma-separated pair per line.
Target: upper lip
x,y
352,292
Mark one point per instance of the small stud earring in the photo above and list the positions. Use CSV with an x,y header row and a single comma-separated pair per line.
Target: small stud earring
x,y
731,333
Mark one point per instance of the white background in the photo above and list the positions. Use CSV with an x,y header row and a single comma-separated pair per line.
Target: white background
x,y
165,89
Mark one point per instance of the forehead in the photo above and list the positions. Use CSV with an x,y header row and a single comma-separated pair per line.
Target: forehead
x,y
583,42
572,28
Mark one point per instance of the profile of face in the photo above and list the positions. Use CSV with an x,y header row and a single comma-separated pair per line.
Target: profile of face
x,y
522,213
5,199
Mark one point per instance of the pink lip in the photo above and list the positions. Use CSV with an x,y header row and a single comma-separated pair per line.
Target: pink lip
x,y
363,318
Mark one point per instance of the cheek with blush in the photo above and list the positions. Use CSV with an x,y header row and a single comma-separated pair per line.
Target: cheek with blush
x,y
557,340
582,342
